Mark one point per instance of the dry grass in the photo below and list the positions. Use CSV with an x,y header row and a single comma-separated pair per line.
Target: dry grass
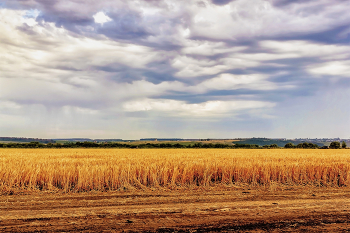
x,y
76,170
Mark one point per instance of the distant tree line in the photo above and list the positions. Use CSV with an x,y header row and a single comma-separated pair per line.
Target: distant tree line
x,y
304,145
117,145
308,145
86,144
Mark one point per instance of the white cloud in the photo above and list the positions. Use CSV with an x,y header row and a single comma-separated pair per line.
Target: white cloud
x,y
232,82
143,88
300,48
101,18
9,105
73,110
205,109
335,68
191,67
250,19
209,48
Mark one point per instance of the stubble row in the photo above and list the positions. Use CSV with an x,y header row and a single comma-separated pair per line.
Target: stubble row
x,y
79,170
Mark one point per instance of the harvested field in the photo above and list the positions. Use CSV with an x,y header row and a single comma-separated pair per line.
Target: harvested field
x,y
79,170
174,190
227,210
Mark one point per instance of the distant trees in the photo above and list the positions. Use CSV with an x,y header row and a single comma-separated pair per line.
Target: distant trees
x,y
289,145
247,146
334,145
88,144
343,145
304,145
34,145
307,145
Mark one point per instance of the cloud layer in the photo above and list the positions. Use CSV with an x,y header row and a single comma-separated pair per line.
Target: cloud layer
x,y
131,69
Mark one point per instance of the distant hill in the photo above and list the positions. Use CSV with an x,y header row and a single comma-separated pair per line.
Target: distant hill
x,y
22,139
88,140
269,141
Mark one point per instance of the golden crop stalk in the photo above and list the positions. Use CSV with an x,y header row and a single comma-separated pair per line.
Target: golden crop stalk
x,y
76,170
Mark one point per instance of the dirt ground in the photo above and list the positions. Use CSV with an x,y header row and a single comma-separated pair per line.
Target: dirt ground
x,y
227,210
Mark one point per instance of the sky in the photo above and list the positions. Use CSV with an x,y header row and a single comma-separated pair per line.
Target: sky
x,y
181,69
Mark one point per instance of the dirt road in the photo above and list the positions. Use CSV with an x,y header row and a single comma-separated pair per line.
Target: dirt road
x,y
242,210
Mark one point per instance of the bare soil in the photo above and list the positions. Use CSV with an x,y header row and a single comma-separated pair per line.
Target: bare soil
x,y
226,210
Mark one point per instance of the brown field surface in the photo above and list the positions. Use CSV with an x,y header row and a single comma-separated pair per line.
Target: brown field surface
x,y
174,190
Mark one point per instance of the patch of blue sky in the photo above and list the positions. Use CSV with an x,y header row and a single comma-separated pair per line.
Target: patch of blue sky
x,y
32,13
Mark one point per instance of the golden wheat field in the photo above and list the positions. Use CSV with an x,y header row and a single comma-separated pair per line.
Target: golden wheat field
x,y
78,170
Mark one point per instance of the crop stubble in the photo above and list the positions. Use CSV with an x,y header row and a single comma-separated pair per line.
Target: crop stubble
x,y
80,170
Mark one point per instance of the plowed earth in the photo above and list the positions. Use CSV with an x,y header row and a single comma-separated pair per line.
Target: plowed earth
x,y
242,210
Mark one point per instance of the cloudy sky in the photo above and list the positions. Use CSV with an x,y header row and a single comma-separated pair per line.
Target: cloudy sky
x,y
164,68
